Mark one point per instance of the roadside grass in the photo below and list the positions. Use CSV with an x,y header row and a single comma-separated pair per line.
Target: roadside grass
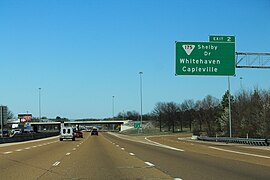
x,y
154,131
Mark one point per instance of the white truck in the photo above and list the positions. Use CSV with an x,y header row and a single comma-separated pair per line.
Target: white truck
x,y
67,133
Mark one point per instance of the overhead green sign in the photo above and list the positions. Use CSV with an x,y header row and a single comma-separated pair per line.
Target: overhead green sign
x,y
218,38
205,58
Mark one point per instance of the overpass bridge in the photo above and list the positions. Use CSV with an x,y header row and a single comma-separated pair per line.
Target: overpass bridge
x,y
55,126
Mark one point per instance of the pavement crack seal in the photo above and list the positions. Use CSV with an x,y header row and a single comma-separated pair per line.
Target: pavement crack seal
x,y
50,170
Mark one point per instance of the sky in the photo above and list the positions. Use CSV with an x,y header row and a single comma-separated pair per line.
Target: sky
x,y
81,53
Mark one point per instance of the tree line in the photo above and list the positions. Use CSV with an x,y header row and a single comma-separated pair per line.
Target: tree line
x,y
250,114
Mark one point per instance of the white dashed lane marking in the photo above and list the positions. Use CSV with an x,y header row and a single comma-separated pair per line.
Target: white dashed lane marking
x,y
56,163
149,164
132,154
9,152
27,148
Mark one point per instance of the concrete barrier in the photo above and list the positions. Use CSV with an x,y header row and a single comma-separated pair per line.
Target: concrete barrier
x,y
27,137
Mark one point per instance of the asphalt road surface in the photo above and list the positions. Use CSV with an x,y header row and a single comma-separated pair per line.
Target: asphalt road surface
x,y
110,156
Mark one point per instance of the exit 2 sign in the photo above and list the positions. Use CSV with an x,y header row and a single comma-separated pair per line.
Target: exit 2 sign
x,y
218,38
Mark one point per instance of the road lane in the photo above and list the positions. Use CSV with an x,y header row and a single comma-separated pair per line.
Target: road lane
x,y
92,157
34,159
192,164
98,158
109,157
245,153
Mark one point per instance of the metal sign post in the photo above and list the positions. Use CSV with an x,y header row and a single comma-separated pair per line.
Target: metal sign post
x,y
225,39
230,115
213,58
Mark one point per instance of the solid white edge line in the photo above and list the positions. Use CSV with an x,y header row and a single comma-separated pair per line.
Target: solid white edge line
x,y
165,146
153,143
236,152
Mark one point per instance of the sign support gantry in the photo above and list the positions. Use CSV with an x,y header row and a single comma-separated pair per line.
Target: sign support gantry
x,y
252,60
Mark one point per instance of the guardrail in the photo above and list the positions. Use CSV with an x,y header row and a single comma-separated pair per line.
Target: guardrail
x,y
250,141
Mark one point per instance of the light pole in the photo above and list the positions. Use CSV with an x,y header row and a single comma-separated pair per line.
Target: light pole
x,y
113,107
1,109
241,85
39,100
141,95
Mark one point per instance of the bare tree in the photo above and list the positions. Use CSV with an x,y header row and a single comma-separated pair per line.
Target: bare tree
x,y
187,111
210,106
159,112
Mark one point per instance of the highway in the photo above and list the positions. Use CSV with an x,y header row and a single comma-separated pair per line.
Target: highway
x,y
113,156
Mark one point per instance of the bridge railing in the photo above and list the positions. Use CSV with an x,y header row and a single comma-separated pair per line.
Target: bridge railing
x,y
250,141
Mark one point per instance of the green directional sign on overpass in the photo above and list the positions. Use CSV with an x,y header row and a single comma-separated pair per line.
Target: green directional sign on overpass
x,y
137,125
205,58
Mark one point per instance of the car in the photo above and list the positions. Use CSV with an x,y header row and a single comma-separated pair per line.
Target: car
x,y
94,132
78,134
28,131
5,133
16,131
67,133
